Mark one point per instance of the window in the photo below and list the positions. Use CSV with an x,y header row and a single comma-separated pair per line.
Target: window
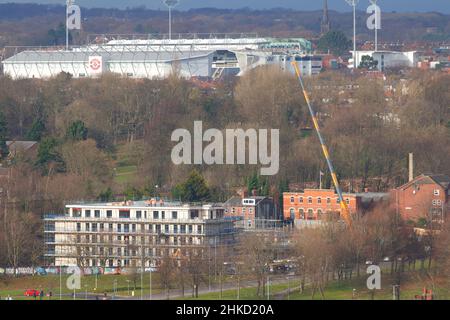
x,y
328,200
175,229
194,214
250,210
174,215
94,227
109,213
301,213
166,228
183,229
292,213
190,228
97,213
300,199
319,214
138,214
119,228
76,213
338,201
309,199
163,215
87,213
199,229
347,200
110,227
78,226
310,214
243,209
126,228
436,192
292,199
155,215
233,210
124,214
87,227
319,200
102,227
133,227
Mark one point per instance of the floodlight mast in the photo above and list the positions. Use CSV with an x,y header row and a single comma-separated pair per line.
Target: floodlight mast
x,y
68,4
354,3
170,4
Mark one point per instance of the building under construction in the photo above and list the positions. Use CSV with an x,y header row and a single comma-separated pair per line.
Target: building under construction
x,y
133,233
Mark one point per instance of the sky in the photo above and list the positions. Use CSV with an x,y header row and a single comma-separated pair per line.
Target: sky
x,y
339,5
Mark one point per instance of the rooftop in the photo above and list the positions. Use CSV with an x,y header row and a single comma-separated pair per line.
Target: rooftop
x,y
129,204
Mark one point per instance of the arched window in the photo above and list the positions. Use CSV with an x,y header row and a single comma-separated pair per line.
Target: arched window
x,y
319,214
301,213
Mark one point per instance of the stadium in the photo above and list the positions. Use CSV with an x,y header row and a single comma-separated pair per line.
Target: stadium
x,y
157,56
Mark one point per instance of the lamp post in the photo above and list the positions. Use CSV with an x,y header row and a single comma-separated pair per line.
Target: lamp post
x,y
354,3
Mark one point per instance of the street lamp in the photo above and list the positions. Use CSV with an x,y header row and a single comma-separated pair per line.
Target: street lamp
x,y
354,3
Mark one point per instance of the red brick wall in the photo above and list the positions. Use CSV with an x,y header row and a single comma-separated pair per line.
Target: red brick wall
x,y
414,203
316,204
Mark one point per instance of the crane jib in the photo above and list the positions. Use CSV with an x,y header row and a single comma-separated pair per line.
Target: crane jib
x,y
343,204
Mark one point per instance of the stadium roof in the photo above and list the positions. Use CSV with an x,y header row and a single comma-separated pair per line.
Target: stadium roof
x,y
78,56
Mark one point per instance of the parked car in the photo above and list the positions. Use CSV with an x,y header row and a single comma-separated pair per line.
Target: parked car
x,y
31,293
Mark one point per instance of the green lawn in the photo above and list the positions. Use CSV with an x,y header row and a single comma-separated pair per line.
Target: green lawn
x,y
412,284
105,283
125,174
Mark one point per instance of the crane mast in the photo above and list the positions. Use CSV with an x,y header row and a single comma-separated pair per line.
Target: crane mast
x,y
344,208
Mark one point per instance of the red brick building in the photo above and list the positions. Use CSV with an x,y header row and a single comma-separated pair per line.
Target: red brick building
x,y
251,211
313,204
426,196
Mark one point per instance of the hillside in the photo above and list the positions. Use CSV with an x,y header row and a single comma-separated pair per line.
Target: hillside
x,y
30,24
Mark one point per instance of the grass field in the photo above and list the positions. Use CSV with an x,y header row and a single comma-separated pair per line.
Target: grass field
x,y
125,165
105,283
411,285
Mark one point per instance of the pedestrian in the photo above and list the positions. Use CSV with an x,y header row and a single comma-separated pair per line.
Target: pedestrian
x,y
41,294
50,294
34,294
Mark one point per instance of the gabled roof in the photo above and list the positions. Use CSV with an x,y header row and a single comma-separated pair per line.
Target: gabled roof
x,y
440,179
14,146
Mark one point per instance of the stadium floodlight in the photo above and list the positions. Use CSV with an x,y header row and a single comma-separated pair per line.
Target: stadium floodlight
x,y
170,4
354,3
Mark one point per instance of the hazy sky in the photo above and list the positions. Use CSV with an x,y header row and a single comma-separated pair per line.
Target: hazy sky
x,y
340,5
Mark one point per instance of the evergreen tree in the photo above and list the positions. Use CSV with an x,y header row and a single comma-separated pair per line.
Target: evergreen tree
x,y
334,41
368,62
47,153
193,189
77,131
36,130
253,184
